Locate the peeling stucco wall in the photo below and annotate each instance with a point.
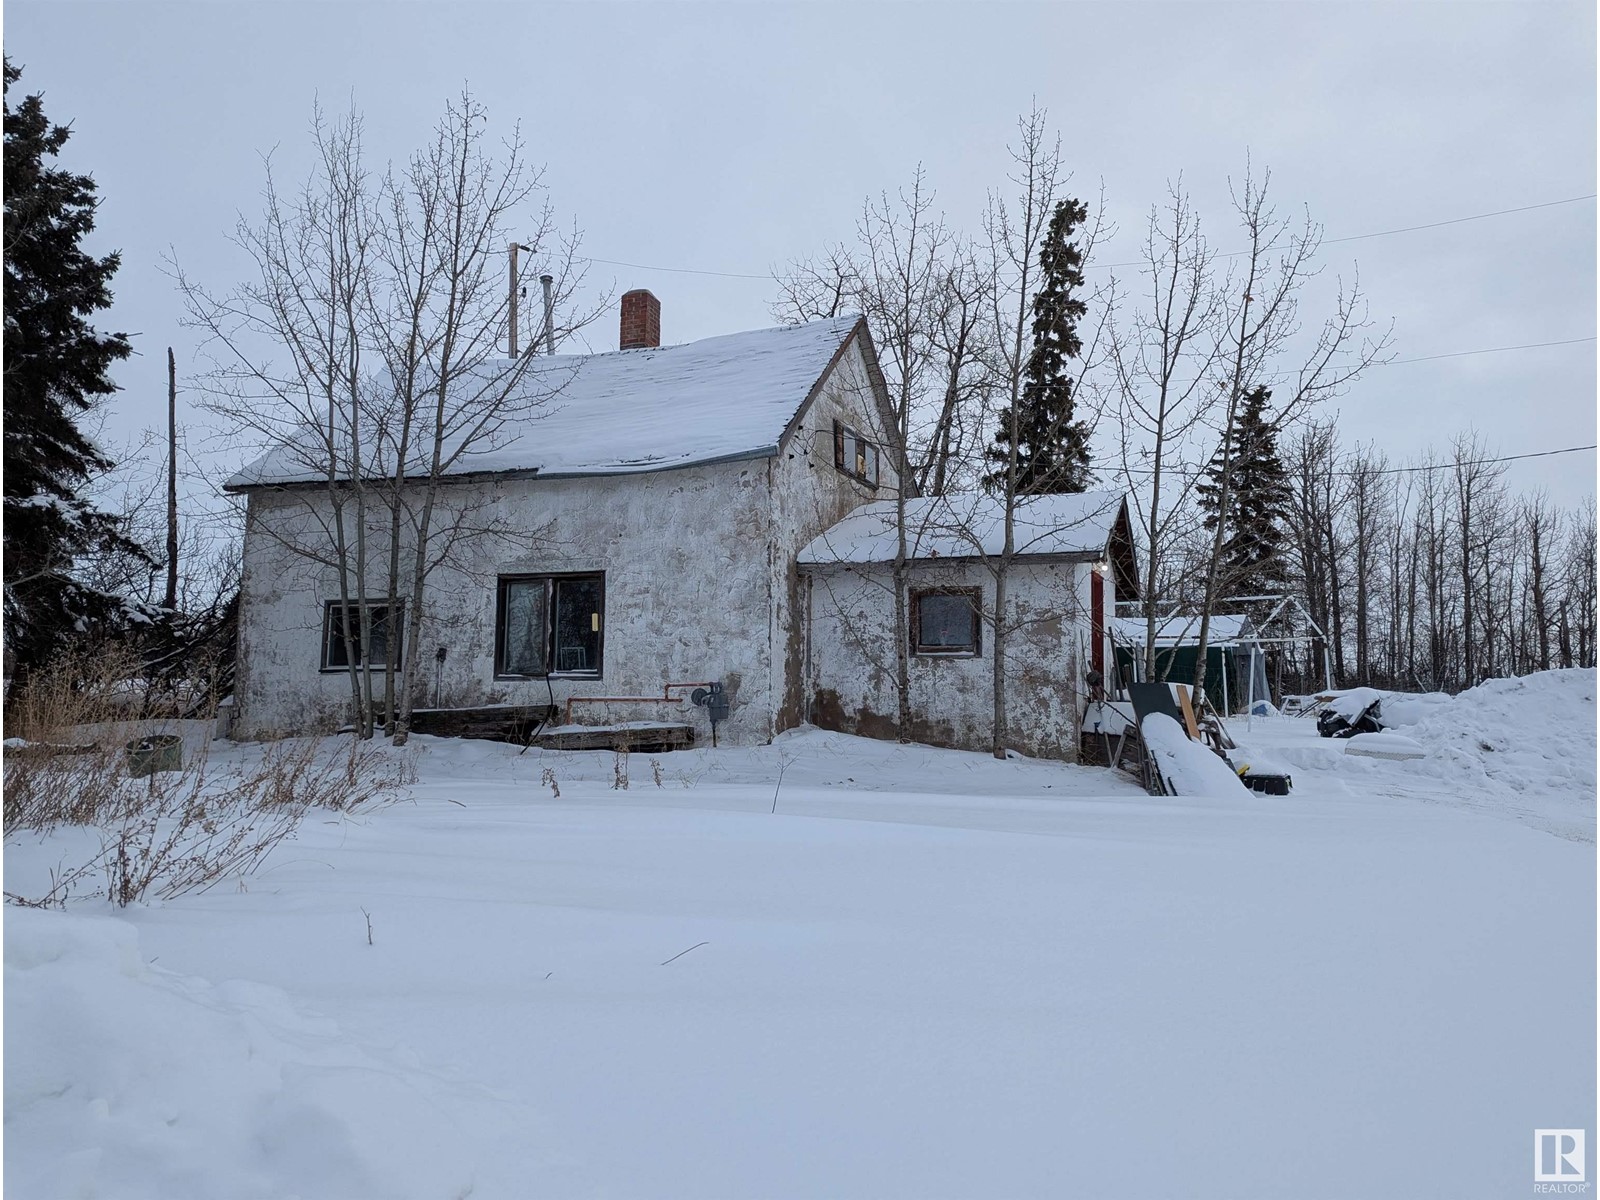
(852, 658)
(809, 495)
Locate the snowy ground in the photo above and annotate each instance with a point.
(929, 974)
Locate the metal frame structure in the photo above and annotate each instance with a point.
(1283, 604)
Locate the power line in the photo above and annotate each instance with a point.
(1458, 220)
(1477, 462)
(1280, 377)
(1357, 237)
(1486, 350)
(1193, 470)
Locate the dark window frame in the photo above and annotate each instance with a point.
(332, 632)
(974, 597)
(857, 455)
(550, 579)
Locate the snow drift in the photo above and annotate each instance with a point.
(123, 1079)
(1532, 734)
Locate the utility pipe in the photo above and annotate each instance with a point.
(664, 698)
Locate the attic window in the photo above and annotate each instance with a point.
(855, 454)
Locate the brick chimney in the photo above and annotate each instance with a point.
(641, 320)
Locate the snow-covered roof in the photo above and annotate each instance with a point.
(629, 411)
(1227, 629)
(971, 525)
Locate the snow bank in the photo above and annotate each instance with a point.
(1533, 734)
(1188, 766)
(127, 1080)
(1522, 749)
(1407, 708)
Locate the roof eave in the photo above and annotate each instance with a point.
(1053, 556)
(300, 485)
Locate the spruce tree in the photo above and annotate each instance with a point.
(1259, 494)
(56, 366)
(1052, 448)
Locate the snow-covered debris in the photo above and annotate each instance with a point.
(1522, 749)
(1407, 708)
(1188, 766)
(1351, 704)
(1385, 745)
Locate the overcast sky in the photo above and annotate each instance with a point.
(733, 137)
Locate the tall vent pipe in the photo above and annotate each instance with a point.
(511, 323)
(549, 314)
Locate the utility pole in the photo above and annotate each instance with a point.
(172, 481)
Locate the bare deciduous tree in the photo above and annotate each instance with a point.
(364, 358)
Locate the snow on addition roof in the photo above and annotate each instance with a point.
(970, 525)
(1227, 629)
(629, 411)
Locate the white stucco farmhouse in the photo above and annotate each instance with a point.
(664, 516)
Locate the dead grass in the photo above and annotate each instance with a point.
(173, 832)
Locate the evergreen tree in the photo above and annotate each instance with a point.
(1259, 494)
(56, 366)
(1052, 448)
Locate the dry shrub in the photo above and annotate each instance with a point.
(91, 685)
(54, 772)
(66, 737)
(185, 831)
(205, 826)
(189, 842)
(319, 773)
(179, 831)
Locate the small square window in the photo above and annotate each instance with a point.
(947, 622)
(338, 649)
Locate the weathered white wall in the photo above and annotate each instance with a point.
(686, 598)
(700, 584)
(851, 668)
(809, 495)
